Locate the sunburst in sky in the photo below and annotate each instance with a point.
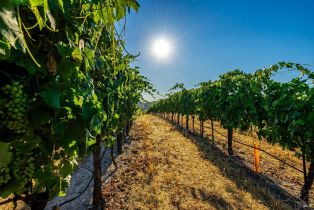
(162, 48)
(196, 41)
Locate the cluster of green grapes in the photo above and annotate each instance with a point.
(15, 107)
(4, 175)
(23, 171)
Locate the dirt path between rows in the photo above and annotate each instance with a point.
(162, 169)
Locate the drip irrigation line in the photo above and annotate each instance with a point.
(235, 140)
(81, 193)
(75, 197)
(239, 142)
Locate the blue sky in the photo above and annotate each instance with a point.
(211, 37)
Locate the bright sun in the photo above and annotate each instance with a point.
(162, 48)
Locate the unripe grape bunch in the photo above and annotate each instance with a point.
(4, 175)
(23, 169)
(14, 107)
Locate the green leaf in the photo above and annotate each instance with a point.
(95, 125)
(5, 155)
(36, 3)
(64, 113)
(88, 111)
(78, 100)
(77, 56)
(74, 130)
(51, 97)
(299, 122)
(11, 3)
(58, 127)
(34, 8)
(66, 67)
(90, 141)
(67, 168)
(89, 61)
(60, 5)
(39, 115)
(58, 188)
(63, 49)
(310, 119)
(120, 13)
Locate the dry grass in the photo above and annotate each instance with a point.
(20, 205)
(162, 169)
(288, 178)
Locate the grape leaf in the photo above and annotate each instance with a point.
(51, 97)
(5, 155)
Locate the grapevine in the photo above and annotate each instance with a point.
(68, 82)
(281, 112)
(15, 106)
(23, 171)
(4, 175)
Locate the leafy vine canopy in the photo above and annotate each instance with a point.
(71, 81)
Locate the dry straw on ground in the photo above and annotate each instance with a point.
(288, 178)
(162, 169)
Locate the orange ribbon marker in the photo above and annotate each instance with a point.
(256, 159)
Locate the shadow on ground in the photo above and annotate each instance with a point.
(260, 186)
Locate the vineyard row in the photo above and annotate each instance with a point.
(279, 112)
